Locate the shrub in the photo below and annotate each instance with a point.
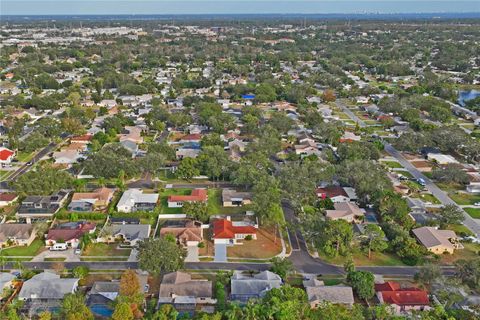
(248, 237)
(201, 245)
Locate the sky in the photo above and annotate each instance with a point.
(79, 7)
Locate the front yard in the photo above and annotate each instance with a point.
(264, 247)
(469, 252)
(33, 249)
(457, 193)
(473, 212)
(361, 259)
(104, 250)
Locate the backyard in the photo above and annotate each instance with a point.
(164, 200)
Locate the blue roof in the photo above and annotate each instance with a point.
(248, 96)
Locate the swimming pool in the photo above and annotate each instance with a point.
(101, 310)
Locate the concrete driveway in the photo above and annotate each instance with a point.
(192, 254)
(220, 252)
(69, 255)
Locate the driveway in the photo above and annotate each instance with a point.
(69, 255)
(220, 252)
(192, 254)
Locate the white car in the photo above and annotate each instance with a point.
(477, 204)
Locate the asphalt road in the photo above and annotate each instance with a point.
(469, 222)
(24, 168)
(349, 113)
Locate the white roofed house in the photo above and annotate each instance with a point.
(67, 157)
(318, 293)
(134, 200)
(129, 234)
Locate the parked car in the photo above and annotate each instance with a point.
(477, 204)
(59, 247)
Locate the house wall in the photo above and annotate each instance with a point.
(441, 249)
(175, 204)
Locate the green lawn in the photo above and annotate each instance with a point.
(392, 164)
(103, 249)
(426, 197)
(361, 259)
(463, 198)
(4, 174)
(32, 250)
(473, 212)
(460, 229)
(406, 174)
(23, 156)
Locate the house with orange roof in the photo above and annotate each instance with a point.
(227, 232)
(401, 299)
(83, 139)
(6, 155)
(197, 195)
(187, 233)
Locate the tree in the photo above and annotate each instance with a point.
(332, 237)
(45, 315)
(165, 312)
(160, 255)
(392, 207)
(214, 162)
(129, 283)
(281, 266)
(152, 163)
(188, 168)
(110, 161)
(451, 173)
(427, 274)
(196, 210)
(281, 122)
(468, 271)
(45, 180)
(451, 214)
(362, 283)
(122, 312)
(74, 307)
(374, 239)
(328, 96)
(80, 272)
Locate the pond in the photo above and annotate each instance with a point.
(465, 95)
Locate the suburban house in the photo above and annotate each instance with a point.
(318, 293)
(197, 195)
(42, 207)
(83, 139)
(70, 233)
(334, 193)
(228, 232)
(6, 281)
(91, 201)
(102, 293)
(437, 241)
(129, 234)
(349, 137)
(184, 293)
(134, 200)
(6, 155)
(133, 134)
(16, 234)
(191, 138)
(232, 198)
(67, 157)
(7, 199)
(245, 287)
(45, 291)
(402, 299)
(187, 232)
(442, 159)
(187, 153)
(473, 187)
(348, 211)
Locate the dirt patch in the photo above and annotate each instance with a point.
(264, 247)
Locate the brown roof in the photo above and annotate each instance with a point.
(183, 233)
(8, 197)
(331, 192)
(15, 230)
(101, 194)
(181, 284)
(431, 237)
(344, 209)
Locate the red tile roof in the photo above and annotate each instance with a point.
(70, 234)
(85, 138)
(196, 195)
(223, 229)
(392, 294)
(331, 192)
(192, 137)
(5, 154)
(8, 197)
